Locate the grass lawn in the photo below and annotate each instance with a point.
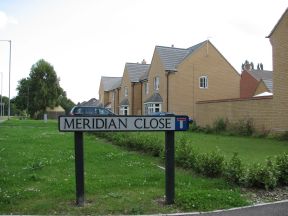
(250, 149)
(37, 177)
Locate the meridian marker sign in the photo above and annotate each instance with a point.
(80, 124)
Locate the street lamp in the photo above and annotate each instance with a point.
(9, 108)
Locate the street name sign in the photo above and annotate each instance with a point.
(122, 123)
(81, 124)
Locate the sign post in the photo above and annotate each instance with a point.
(79, 168)
(169, 167)
(80, 124)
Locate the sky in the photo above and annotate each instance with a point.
(87, 39)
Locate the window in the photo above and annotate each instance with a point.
(125, 91)
(124, 110)
(156, 83)
(151, 108)
(146, 88)
(203, 82)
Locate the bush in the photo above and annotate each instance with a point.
(183, 156)
(242, 127)
(282, 168)
(234, 170)
(194, 126)
(210, 164)
(262, 176)
(283, 136)
(220, 125)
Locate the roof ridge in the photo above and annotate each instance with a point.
(171, 47)
(136, 63)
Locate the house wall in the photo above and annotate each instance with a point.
(259, 109)
(248, 85)
(156, 69)
(279, 42)
(261, 88)
(126, 83)
(137, 99)
(101, 92)
(223, 80)
(106, 98)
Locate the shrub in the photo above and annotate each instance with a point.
(194, 126)
(220, 125)
(282, 168)
(208, 129)
(234, 170)
(210, 164)
(185, 154)
(283, 136)
(262, 176)
(242, 127)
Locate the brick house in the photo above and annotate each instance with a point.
(177, 78)
(279, 41)
(254, 82)
(109, 92)
(130, 99)
(269, 113)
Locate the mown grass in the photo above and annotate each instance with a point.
(249, 149)
(37, 177)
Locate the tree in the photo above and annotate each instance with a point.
(40, 90)
(66, 103)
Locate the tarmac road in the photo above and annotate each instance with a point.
(270, 209)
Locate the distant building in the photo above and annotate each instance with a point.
(254, 82)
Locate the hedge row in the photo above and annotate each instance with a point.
(213, 164)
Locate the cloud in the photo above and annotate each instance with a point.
(5, 20)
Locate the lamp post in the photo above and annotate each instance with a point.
(9, 108)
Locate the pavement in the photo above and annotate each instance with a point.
(279, 208)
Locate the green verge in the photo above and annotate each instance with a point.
(37, 177)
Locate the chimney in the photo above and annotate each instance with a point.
(247, 66)
(143, 61)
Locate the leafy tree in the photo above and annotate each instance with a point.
(40, 90)
(66, 103)
(22, 99)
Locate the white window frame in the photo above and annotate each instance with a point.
(125, 91)
(152, 107)
(124, 108)
(156, 83)
(203, 82)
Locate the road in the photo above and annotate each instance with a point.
(270, 209)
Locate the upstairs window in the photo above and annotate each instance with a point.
(156, 83)
(203, 82)
(126, 91)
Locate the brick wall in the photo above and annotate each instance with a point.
(279, 41)
(259, 109)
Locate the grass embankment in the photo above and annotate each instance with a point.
(37, 177)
